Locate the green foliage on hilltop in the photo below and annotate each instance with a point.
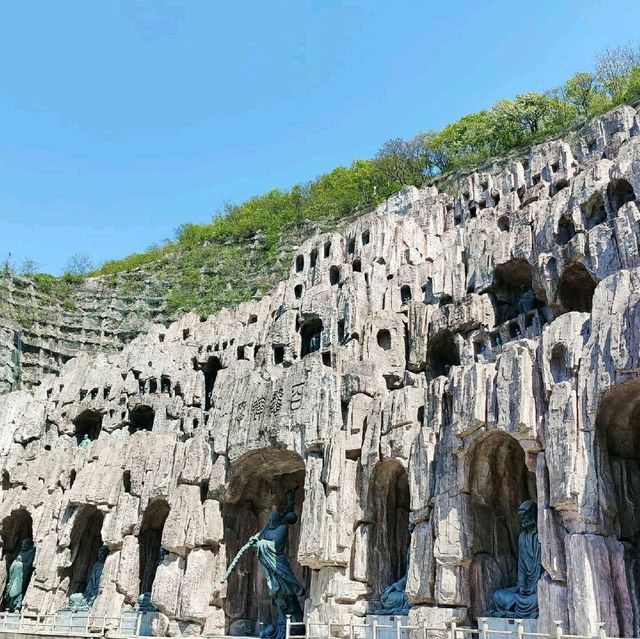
(246, 248)
(527, 119)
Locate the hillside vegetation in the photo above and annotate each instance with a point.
(247, 247)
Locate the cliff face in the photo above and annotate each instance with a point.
(40, 332)
(44, 324)
(440, 362)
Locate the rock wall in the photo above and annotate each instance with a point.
(40, 332)
(441, 361)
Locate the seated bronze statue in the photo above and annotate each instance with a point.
(521, 601)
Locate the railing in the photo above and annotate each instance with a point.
(66, 623)
(73, 624)
(377, 630)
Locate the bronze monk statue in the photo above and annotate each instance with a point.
(19, 575)
(84, 600)
(521, 601)
(394, 599)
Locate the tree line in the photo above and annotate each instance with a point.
(512, 124)
(508, 125)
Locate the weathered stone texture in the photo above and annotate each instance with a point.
(442, 361)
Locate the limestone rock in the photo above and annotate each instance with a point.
(438, 361)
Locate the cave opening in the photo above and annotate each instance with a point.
(389, 537)
(576, 288)
(619, 192)
(261, 479)
(618, 462)
(311, 335)
(498, 482)
(89, 423)
(15, 529)
(150, 542)
(211, 370)
(85, 541)
(442, 354)
(141, 418)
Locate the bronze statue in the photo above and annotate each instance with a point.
(394, 599)
(84, 600)
(19, 575)
(144, 600)
(284, 587)
(521, 601)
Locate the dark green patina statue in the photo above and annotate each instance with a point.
(144, 600)
(394, 599)
(84, 600)
(19, 575)
(521, 601)
(270, 544)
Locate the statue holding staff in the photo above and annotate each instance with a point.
(270, 545)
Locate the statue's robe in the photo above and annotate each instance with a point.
(284, 586)
(18, 579)
(521, 602)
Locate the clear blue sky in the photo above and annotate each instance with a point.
(120, 120)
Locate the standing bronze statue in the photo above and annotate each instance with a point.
(19, 575)
(521, 601)
(270, 545)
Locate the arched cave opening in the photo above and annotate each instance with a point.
(261, 479)
(89, 423)
(311, 335)
(593, 211)
(566, 230)
(85, 541)
(559, 363)
(618, 465)
(141, 418)
(211, 370)
(442, 354)
(512, 289)
(383, 338)
(149, 542)
(499, 482)
(389, 536)
(576, 288)
(619, 192)
(15, 529)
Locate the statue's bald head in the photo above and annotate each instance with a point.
(528, 514)
(27, 543)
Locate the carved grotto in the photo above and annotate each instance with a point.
(443, 361)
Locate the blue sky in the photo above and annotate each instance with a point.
(120, 120)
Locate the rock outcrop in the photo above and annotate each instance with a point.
(442, 361)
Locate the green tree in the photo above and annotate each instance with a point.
(530, 117)
(468, 141)
(406, 162)
(581, 91)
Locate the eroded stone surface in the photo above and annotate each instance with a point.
(444, 360)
